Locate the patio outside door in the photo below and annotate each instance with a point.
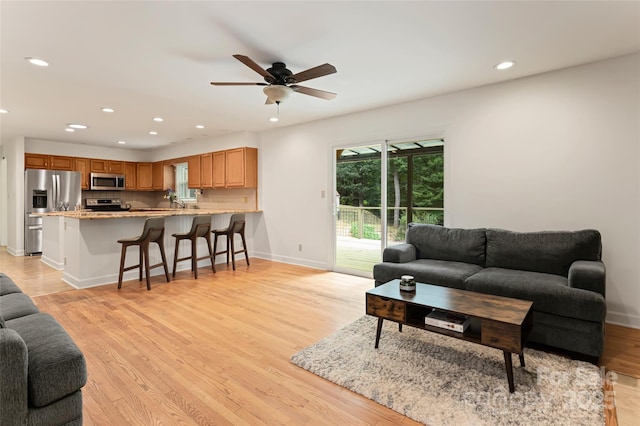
(359, 221)
(406, 177)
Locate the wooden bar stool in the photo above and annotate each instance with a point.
(200, 227)
(153, 232)
(236, 226)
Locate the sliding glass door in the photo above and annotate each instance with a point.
(358, 212)
(406, 177)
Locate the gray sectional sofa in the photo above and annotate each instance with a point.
(560, 272)
(42, 370)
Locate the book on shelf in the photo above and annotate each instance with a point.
(448, 320)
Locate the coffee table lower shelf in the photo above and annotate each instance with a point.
(499, 322)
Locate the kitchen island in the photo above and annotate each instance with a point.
(84, 244)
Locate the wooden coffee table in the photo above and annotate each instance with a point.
(499, 322)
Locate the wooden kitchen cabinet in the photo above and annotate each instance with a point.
(163, 176)
(130, 176)
(219, 169)
(50, 162)
(82, 165)
(144, 180)
(57, 162)
(241, 168)
(107, 166)
(206, 170)
(193, 168)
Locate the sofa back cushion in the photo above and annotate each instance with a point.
(440, 243)
(550, 252)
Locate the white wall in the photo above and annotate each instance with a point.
(554, 151)
(218, 143)
(14, 153)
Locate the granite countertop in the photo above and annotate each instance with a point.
(144, 212)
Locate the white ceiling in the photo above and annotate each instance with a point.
(148, 59)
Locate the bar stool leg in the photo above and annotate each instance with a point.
(175, 257)
(141, 259)
(211, 255)
(244, 247)
(228, 242)
(144, 248)
(233, 250)
(164, 260)
(123, 254)
(215, 251)
(194, 257)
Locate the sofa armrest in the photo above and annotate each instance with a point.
(400, 253)
(588, 275)
(13, 378)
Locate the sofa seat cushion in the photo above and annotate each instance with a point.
(7, 285)
(56, 366)
(549, 293)
(16, 305)
(429, 271)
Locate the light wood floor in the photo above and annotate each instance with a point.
(216, 350)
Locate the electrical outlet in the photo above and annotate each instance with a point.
(65, 261)
(322, 194)
(299, 247)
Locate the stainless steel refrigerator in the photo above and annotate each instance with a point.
(47, 191)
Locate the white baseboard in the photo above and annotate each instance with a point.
(52, 263)
(292, 260)
(623, 319)
(14, 252)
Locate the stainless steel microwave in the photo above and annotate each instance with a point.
(107, 182)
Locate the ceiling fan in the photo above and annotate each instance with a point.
(281, 82)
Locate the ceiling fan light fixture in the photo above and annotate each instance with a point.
(277, 93)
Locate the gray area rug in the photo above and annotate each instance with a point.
(439, 380)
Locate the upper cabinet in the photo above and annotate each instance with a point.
(242, 168)
(232, 168)
(82, 165)
(206, 170)
(130, 176)
(50, 162)
(163, 176)
(193, 164)
(144, 180)
(219, 169)
(235, 168)
(107, 166)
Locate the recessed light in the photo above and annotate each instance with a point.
(38, 62)
(158, 119)
(4, 111)
(107, 109)
(121, 142)
(504, 65)
(77, 126)
(69, 129)
(273, 119)
(153, 133)
(199, 126)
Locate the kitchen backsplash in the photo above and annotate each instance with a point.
(240, 198)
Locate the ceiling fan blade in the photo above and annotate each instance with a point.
(315, 72)
(257, 68)
(219, 83)
(314, 92)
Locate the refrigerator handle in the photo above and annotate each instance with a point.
(55, 192)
